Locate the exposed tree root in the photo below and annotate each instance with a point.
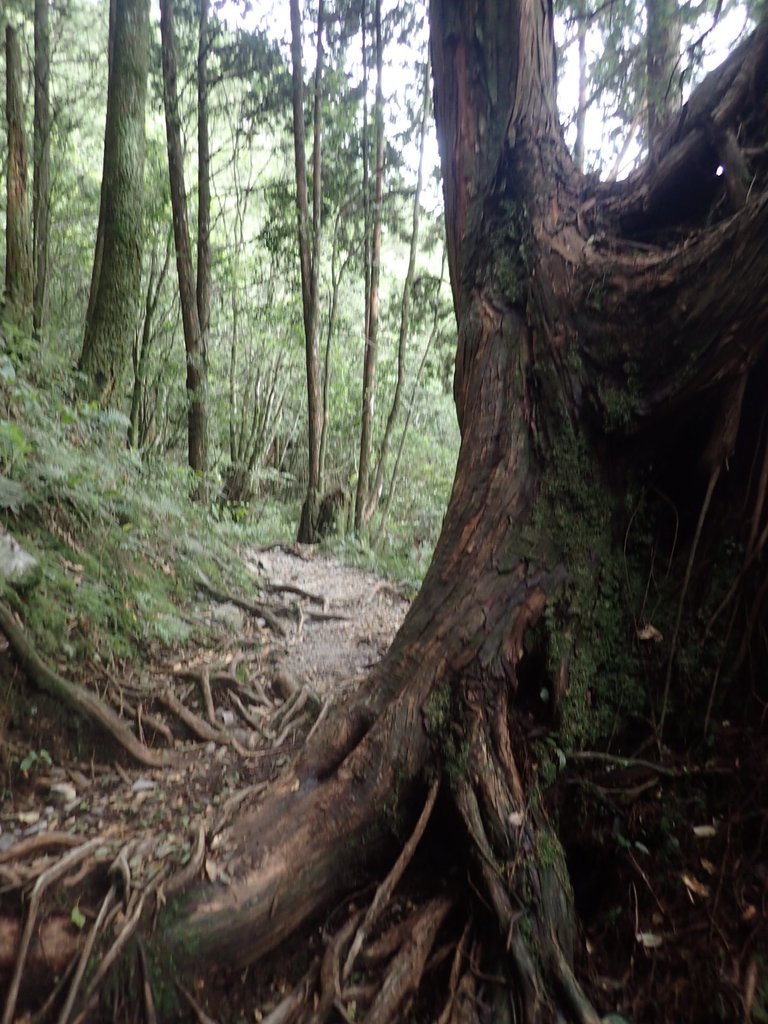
(405, 972)
(190, 871)
(36, 844)
(73, 696)
(261, 611)
(85, 953)
(47, 879)
(288, 588)
(200, 1015)
(387, 887)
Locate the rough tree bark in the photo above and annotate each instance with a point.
(18, 247)
(114, 319)
(98, 249)
(590, 319)
(197, 370)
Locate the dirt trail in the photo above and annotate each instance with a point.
(335, 638)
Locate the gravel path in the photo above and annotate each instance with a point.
(330, 653)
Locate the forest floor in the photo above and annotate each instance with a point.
(227, 718)
(668, 861)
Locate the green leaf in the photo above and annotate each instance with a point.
(78, 918)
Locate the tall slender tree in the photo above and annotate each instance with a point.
(190, 290)
(405, 314)
(98, 248)
(370, 348)
(41, 187)
(662, 62)
(114, 320)
(203, 286)
(309, 233)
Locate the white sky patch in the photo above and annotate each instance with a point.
(607, 146)
(401, 76)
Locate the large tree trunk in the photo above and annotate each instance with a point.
(110, 329)
(18, 248)
(98, 249)
(584, 334)
(197, 370)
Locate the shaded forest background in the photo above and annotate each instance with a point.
(256, 390)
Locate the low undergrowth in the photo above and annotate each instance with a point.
(122, 548)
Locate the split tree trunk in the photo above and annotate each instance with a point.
(569, 344)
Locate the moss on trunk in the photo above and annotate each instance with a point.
(110, 330)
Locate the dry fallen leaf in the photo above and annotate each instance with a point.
(650, 632)
(694, 885)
